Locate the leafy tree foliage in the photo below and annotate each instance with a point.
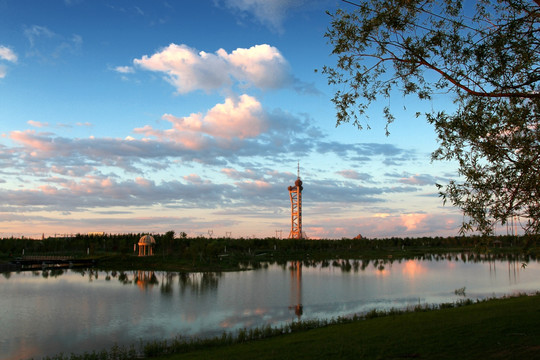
(485, 56)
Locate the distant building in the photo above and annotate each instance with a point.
(146, 245)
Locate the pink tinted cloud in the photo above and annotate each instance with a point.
(239, 118)
(412, 221)
(384, 225)
(48, 190)
(188, 69)
(354, 175)
(235, 174)
(33, 140)
(193, 179)
(255, 185)
(418, 179)
(37, 124)
(349, 174)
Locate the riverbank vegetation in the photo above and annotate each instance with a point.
(496, 329)
(177, 252)
(503, 328)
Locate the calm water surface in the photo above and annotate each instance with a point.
(48, 312)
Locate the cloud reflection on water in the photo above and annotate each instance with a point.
(82, 310)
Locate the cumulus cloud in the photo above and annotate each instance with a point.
(237, 143)
(239, 118)
(412, 221)
(229, 133)
(188, 70)
(7, 54)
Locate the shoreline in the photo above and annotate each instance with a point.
(491, 328)
(242, 262)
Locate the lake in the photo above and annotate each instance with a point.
(46, 312)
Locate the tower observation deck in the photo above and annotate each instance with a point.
(295, 193)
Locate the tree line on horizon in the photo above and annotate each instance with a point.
(209, 248)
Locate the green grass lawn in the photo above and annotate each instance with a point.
(496, 329)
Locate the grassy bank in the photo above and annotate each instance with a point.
(496, 329)
(493, 329)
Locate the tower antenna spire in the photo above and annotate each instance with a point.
(299, 169)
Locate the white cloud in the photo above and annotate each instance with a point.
(124, 69)
(7, 54)
(261, 65)
(188, 70)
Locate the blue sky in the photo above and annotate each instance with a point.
(149, 116)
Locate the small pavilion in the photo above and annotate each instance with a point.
(146, 245)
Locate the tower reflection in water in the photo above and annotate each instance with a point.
(296, 289)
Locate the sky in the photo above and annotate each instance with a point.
(129, 116)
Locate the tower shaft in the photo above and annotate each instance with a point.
(296, 213)
(295, 194)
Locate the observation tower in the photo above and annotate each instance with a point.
(295, 193)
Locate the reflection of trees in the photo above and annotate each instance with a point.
(92, 273)
(56, 272)
(166, 287)
(124, 278)
(45, 273)
(365, 264)
(145, 279)
(198, 283)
